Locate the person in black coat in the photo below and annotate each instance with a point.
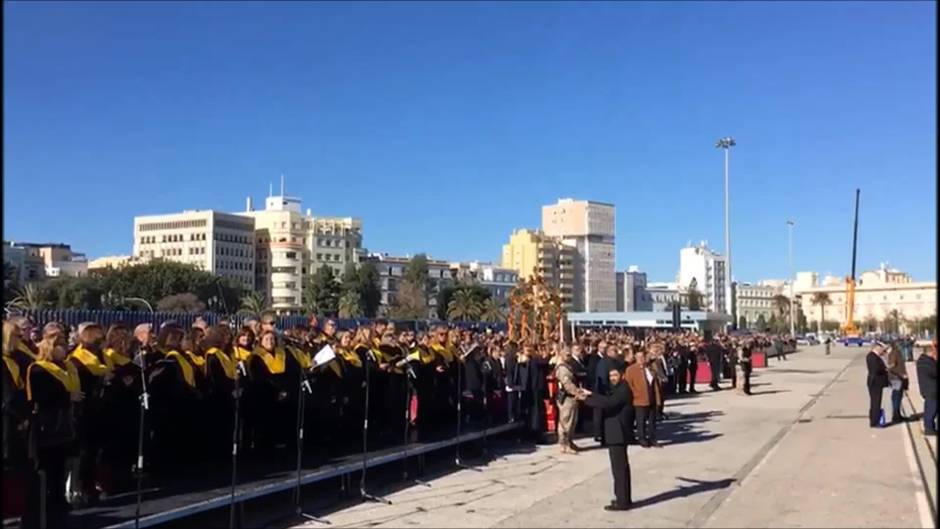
(609, 361)
(617, 411)
(52, 388)
(877, 381)
(927, 380)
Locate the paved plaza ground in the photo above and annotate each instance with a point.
(797, 453)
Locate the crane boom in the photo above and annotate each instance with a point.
(849, 329)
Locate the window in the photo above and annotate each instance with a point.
(291, 255)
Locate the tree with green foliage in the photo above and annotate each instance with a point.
(446, 294)
(158, 279)
(761, 323)
(321, 292)
(350, 304)
(694, 296)
(464, 306)
(253, 303)
(186, 302)
(411, 301)
(29, 297)
(821, 299)
(370, 293)
(492, 311)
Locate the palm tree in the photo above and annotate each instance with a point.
(350, 304)
(253, 303)
(28, 298)
(492, 311)
(871, 324)
(463, 306)
(782, 307)
(893, 321)
(822, 299)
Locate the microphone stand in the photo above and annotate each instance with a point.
(365, 439)
(144, 406)
(301, 400)
(240, 370)
(457, 459)
(410, 378)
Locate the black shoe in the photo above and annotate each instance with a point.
(655, 444)
(615, 507)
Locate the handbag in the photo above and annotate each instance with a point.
(905, 384)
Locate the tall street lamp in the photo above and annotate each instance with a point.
(727, 143)
(790, 225)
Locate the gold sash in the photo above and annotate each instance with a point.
(185, 367)
(303, 359)
(350, 357)
(68, 377)
(14, 371)
(242, 354)
(114, 359)
(196, 360)
(90, 361)
(275, 362)
(228, 365)
(23, 348)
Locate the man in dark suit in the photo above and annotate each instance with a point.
(877, 382)
(617, 411)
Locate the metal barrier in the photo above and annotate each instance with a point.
(106, 318)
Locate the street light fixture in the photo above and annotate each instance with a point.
(141, 300)
(727, 143)
(790, 225)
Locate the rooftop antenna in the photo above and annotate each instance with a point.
(282, 184)
(270, 189)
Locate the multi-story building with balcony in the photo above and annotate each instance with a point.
(706, 269)
(588, 227)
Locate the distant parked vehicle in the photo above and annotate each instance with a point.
(859, 341)
(809, 339)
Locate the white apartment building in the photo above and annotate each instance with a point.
(497, 280)
(707, 269)
(290, 246)
(877, 293)
(661, 295)
(589, 228)
(219, 243)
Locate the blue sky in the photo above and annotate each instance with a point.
(446, 125)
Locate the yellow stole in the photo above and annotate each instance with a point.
(275, 362)
(68, 376)
(350, 357)
(114, 359)
(23, 348)
(14, 371)
(443, 352)
(185, 367)
(228, 365)
(90, 361)
(242, 354)
(196, 360)
(303, 359)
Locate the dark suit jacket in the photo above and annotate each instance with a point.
(618, 413)
(877, 371)
(927, 376)
(591, 381)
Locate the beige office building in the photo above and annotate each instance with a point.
(112, 261)
(219, 243)
(532, 253)
(877, 293)
(587, 227)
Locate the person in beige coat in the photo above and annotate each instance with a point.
(567, 402)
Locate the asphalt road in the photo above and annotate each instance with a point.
(796, 453)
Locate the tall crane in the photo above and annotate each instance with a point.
(849, 329)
